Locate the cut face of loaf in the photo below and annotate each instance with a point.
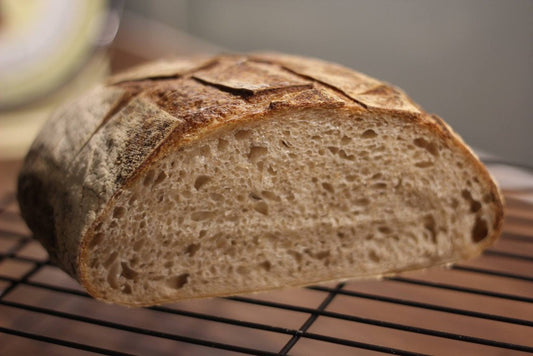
(241, 174)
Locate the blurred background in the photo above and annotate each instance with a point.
(471, 62)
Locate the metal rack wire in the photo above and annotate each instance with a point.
(484, 306)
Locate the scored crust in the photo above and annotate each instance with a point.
(72, 173)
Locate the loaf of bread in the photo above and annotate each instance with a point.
(216, 176)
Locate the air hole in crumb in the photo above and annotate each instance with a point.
(363, 154)
(191, 249)
(362, 202)
(424, 164)
(343, 155)
(178, 282)
(148, 178)
(200, 181)
(161, 177)
(351, 178)
(480, 230)
(113, 274)
(261, 207)
(255, 196)
(333, 149)
(202, 233)
(373, 256)
(489, 197)
(369, 134)
(165, 242)
(431, 147)
(328, 187)
(118, 212)
(257, 152)
(270, 195)
(384, 229)
(134, 260)
(126, 289)
(322, 255)
(202, 215)
(222, 144)
(296, 255)
(376, 176)
(128, 272)
(380, 185)
(93, 264)
(242, 134)
(271, 171)
(266, 265)
(96, 240)
(285, 143)
(98, 227)
(132, 199)
(110, 259)
(346, 140)
(430, 225)
(475, 206)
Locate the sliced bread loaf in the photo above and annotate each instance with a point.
(216, 176)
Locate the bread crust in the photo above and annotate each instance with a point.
(71, 177)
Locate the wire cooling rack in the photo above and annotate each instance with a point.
(483, 306)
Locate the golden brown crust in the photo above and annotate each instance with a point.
(366, 91)
(158, 107)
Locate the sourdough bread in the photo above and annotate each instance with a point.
(215, 176)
